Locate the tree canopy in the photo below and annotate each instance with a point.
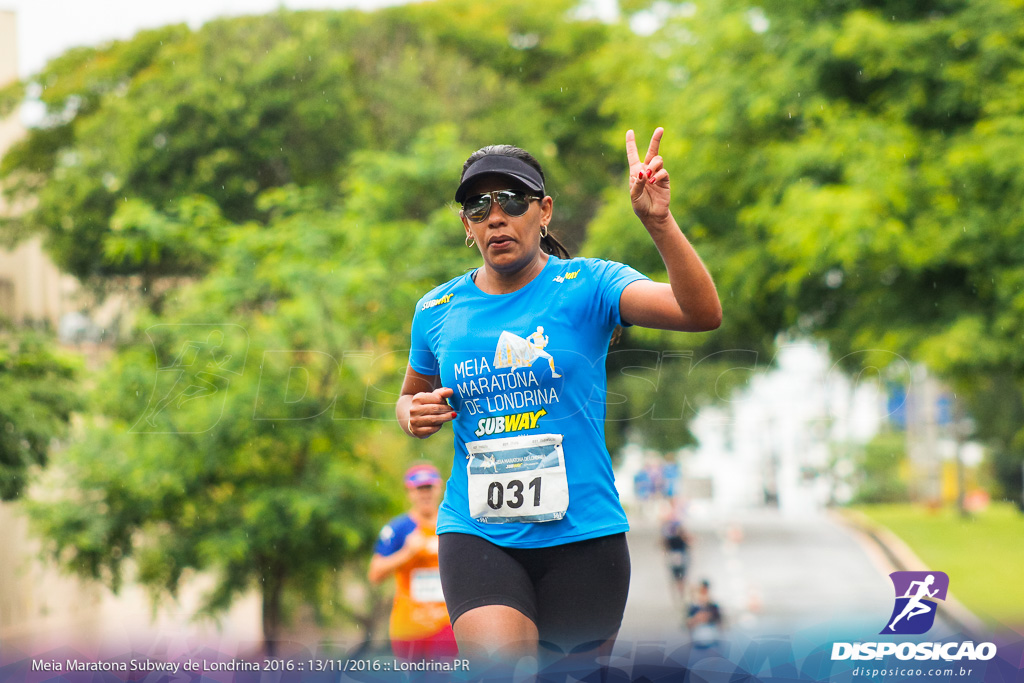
(37, 398)
(140, 135)
(851, 174)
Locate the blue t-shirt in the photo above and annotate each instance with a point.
(563, 318)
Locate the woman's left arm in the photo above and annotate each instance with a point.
(689, 303)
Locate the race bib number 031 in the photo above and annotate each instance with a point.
(517, 479)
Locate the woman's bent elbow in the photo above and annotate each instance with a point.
(703, 323)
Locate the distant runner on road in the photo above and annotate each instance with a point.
(676, 543)
(407, 548)
(704, 618)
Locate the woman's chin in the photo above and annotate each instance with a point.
(506, 260)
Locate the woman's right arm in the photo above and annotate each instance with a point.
(423, 406)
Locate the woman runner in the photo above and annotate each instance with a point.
(532, 534)
(407, 548)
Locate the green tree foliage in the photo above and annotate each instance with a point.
(37, 398)
(850, 171)
(246, 426)
(136, 130)
(881, 470)
(248, 431)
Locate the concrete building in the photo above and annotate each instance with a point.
(31, 287)
(786, 439)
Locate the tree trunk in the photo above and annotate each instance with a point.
(273, 585)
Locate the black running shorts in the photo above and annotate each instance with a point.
(575, 593)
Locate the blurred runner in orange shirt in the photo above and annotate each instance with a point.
(407, 547)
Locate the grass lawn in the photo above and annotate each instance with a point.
(983, 556)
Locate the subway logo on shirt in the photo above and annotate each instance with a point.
(503, 424)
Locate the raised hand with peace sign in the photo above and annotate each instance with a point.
(648, 180)
(688, 301)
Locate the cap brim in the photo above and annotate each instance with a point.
(498, 165)
(417, 484)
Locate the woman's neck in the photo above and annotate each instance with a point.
(491, 281)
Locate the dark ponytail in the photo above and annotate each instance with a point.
(551, 245)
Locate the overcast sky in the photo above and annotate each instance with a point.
(47, 28)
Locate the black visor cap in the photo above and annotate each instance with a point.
(499, 164)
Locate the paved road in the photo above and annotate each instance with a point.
(771, 574)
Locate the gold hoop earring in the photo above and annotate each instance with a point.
(543, 231)
(470, 240)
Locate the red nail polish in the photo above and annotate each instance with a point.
(454, 415)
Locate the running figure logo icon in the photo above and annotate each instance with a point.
(515, 352)
(916, 592)
(538, 340)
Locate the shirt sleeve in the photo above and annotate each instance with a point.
(611, 278)
(421, 357)
(391, 538)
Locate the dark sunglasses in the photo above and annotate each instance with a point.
(512, 202)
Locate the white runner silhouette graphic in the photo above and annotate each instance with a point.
(915, 606)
